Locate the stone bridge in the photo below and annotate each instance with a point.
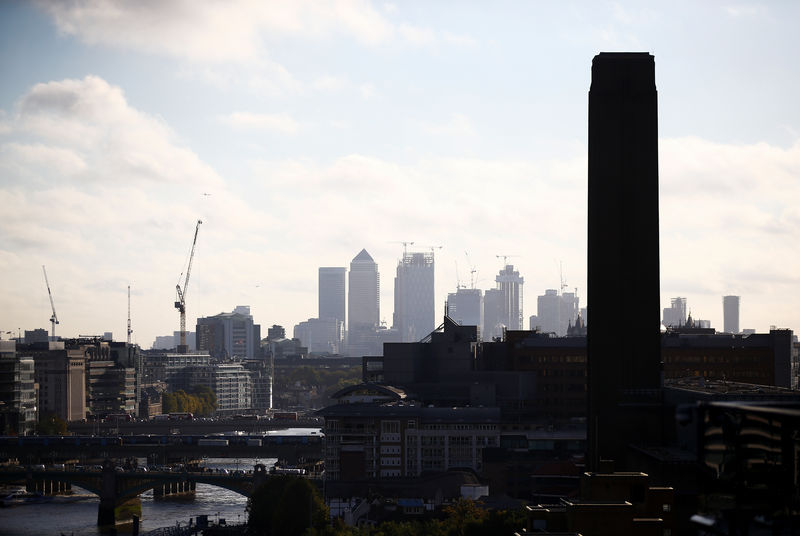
(119, 491)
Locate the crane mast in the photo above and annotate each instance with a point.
(53, 318)
(180, 303)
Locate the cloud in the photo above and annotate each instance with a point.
(458, 125)
(103, 193)
(234, 31)
(728, 224)
(740, 10)
(279, 122)
(86, 129)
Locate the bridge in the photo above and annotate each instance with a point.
(120, 492)
(196, 426)
(159, 449)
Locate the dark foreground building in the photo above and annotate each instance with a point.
(623, 269)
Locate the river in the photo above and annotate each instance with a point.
(79, 518)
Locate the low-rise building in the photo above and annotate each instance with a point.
(398, 439)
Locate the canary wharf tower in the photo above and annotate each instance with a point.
(623, 258)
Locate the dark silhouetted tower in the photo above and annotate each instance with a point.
(624, 353)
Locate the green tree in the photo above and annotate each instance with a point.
(168, 404)
(207, 400)
(51, 424)
(280, 507)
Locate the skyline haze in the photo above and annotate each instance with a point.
(122, 125)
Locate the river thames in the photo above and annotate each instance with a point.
(79, 518)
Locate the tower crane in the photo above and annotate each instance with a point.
(405, 245)
(472, 271)
(505, 259)
(180, 303)
(53, 318)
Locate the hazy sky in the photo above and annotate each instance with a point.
(320, 128)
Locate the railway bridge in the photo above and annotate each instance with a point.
(120, 492)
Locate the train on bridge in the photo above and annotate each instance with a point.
(249, 440)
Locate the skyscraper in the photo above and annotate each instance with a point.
(332, 293)
(730, 312)
(510, 283)
(363, 307)
(556, 312)
(675, 315)
(414, 315)
(465, 306)
(494, 321)
(623, 257)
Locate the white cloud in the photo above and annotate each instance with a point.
(458, 125)
(279, 122)
(742, 10)
(728, 224)
(88, 126)
(234, 31)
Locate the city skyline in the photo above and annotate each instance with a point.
(121, 126)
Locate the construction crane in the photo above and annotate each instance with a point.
(472, 271)
(405, 245)
(505, 259)
(129, 315)
(54, 317)
(180, 303)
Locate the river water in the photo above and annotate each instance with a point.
(79, 518)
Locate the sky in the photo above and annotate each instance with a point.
(301, 132)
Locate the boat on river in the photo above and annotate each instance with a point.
(20, 497)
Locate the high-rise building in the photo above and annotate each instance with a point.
(510, 283)
(465, 306)
(414, 315)
(363, 305)
(556, 312)
(675, 315)
(623, 256)
(320, 335)
(494, 321)
(229, 334)
(730, 311)
(332, 295)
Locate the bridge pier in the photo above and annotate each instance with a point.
(171, 489)
(114, 509)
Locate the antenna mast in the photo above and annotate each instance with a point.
(53, 318)
(129, 315)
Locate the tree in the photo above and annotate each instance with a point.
(280, 507)
(51, 424)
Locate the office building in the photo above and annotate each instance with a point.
(61, 375)
(465, 307)
(494, 321)
(623, 255)
(414, 315)
(36, 335)
(18, 411)
(331, 293)
(556, 312)
(393, 440)
(320, 335)
(730, 311)
(675, 315)
(510, 283)
(229, 334)
(231, 383)
(363, 305)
